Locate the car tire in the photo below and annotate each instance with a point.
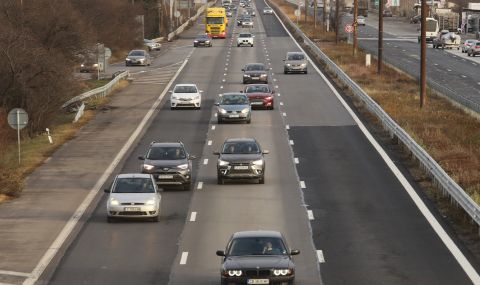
(249, 120)
(285, 71)
(219, 121)
(252, 46)
(262, 179)
(306, 71)
(110, 219)
(172, 108)
(238, 45)
(271, 107)
(220, 180)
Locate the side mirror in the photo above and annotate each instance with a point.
(220, 253)
(294, 252)
(217, 104)
(241, 91)
(266, 151)
(216, 153)
(273, 91)
(191, 157)
(201, 91)
(106, 190)
(141, 157)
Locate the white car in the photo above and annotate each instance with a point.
(151, 45)
(267, 10)
(185, 95)
(247, 22)
(361, 20)
(245, 39)
(133, 195)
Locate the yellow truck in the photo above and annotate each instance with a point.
(216, 22)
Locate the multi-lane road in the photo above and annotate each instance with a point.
(329, 187)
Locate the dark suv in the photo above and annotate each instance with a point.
(241, 158)
(169, 163)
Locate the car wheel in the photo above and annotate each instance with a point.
(252, 46)
(262, 179)
(306, 71)
(219, 121)
(220, 180)
(271, 107)
(249, 120)
(285, 71)
(172, 108)
(110, 219)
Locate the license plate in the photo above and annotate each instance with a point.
(258, 281)
(241, 167)
(234, 116)
(165, 176)
(257, 103)
(132, 209)
(255, 78)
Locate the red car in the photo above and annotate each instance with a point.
(260, 96)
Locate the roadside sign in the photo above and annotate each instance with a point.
(17, 118)
(298, 13)
(176, 14)
(108, 53)
(348, 28)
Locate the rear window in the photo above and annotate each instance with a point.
(134, 185)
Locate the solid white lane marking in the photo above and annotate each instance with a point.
(15, 273)
(284, 114)
(183, 259)
(221, 87)
(205, 161)
(193, 216)
(296, 160)
(449, 243)
(77, 215)
(199, 185)
(291, 141)
(474, 63)
(209, 143)
(310, 215)
(288, 128)
(320, 257)
(302, 185)
(213, 127)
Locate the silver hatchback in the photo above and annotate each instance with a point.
(295, 62)
(234, 107)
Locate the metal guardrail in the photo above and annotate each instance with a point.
(429, 165)
(97, 92)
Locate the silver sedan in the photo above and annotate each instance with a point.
(138, 57)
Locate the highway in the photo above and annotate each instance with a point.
(327, 189)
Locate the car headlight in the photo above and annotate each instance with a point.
(207, 42)
(183, 166)
(303, 64)
(222, 111)
(246, 75)
(151, 202)
(263, 75)
(127, 59)
(283, 272)
(246, 110)
(148, 167)
(223, 162)
(258, 162)
(174, 98)
(288, 64)
(114, 202)
(196, 97)
(234, 272)
(195, 41)
(82, 65)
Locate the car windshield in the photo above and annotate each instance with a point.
(295, 56)
(185, 89)
(257, 89)
(215, 20)
(257, 246)
(166, 153)
(234, 100)
(202, 37)
(253, 67)
(246, 147)
(137, 53)
(134, 185)
(245, 35)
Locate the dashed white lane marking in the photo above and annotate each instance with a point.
(320, 257)
(46, 161)
(296, 160)
(193, 216)
(213, 127)
(274, 80)
(449, 70)
(273, 73)
(464, 76)
(309, 214)
(183, 259)
(291, 141)
(223, 80)
(199, 185)
(284, 114)
(224, 74)
(209, 143)
(474, 63)
(221, 87)
(288, 128)
(205, 161)
(226, 69)
(215, 115)
(435, 64)
(302, 185)
(14, 273)
(276, 87)
(403, 50)
(281, 103)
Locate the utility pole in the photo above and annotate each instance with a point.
(315, 14)
(324, 12)
(423, 56)
(337, 20)
(380, 37)
(306, 11)
(355, 26)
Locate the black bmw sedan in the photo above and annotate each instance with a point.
(257, 257)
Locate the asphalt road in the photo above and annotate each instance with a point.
(327, 189)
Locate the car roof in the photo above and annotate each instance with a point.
(245, 234)
(137, 50)
(233, 93)
(240, 140)
(133, 175)
(257, 84)
(186, 84)
(294, 52)
(165, 144)
(255, 63)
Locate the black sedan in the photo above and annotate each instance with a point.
(241, 158)
(257, 257)
(202, 40)
(255, 73)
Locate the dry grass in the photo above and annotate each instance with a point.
(450, 135)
